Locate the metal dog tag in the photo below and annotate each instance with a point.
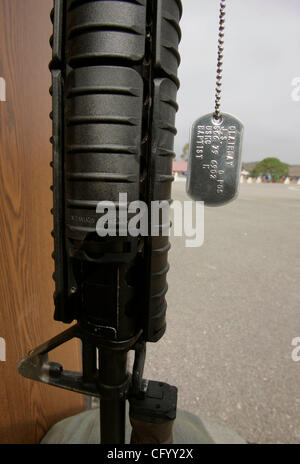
(215, 159)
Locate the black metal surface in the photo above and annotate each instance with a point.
(112, 372)
(137, 384)
(162, 155)
(114, 85)
(158, 405)
(103, 135)
(99, 30)
(168, 35)
(114, 106)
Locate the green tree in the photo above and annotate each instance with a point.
(271, 166)
(185, 152)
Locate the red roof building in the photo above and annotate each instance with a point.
(179, 166)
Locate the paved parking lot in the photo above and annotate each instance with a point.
(233, 310)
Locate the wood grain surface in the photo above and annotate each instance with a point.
(27, 408)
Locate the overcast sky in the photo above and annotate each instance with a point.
(261, 58)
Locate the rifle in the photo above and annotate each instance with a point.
(114, 85)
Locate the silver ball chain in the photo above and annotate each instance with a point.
(217, 114)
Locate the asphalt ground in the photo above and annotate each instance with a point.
(233, 310)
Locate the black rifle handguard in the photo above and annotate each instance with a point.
(114, 86)
(114, 105)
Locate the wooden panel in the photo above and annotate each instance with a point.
(27, 408)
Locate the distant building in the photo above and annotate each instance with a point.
(180, 167)
(244, 176)
(249, 166)
(294, 170)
